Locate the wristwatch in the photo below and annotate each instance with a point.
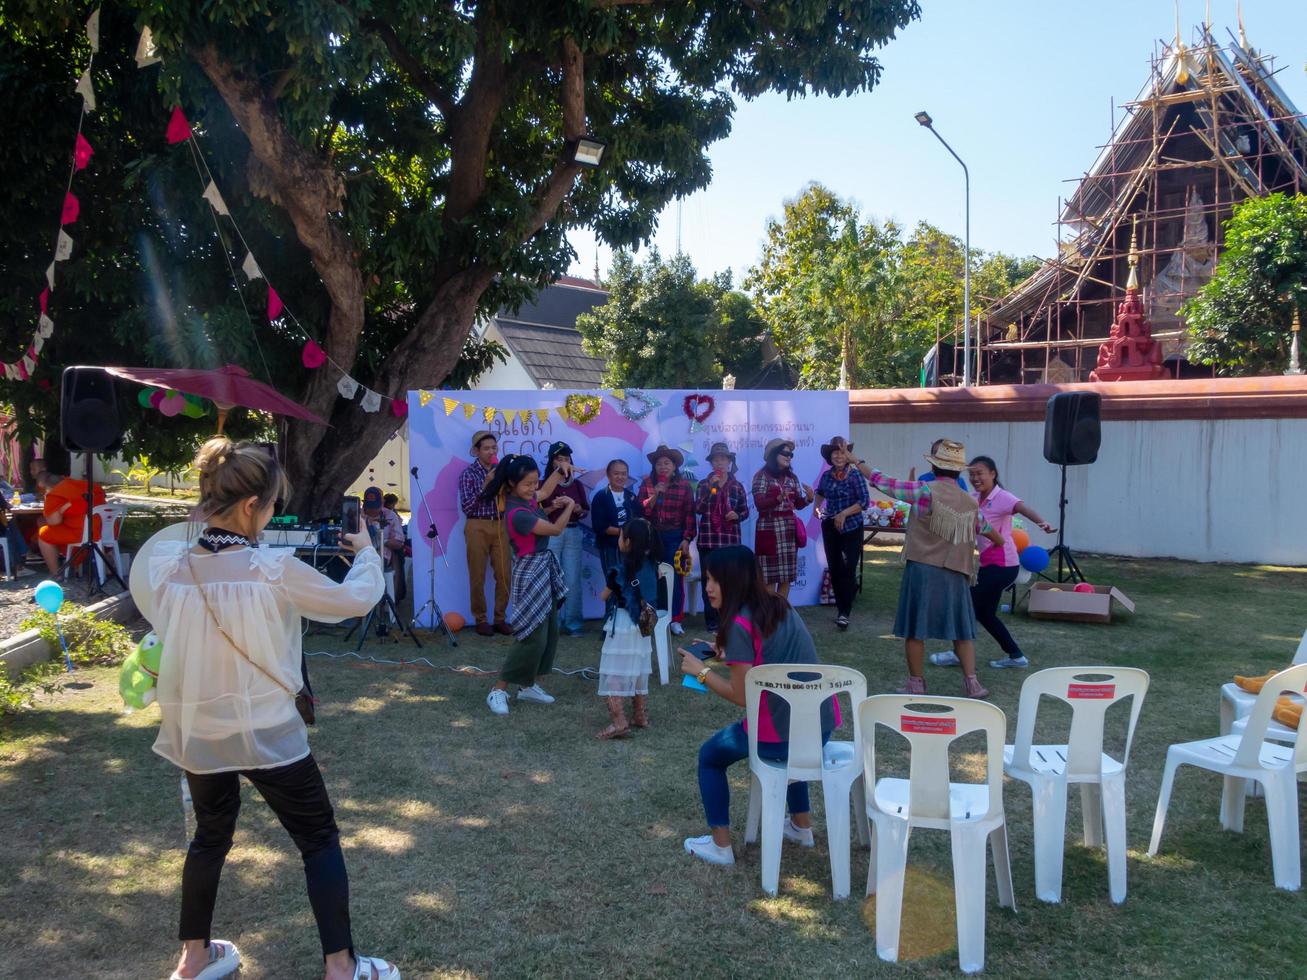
(702, 676)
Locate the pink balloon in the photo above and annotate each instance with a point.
(157, 396)
(174, 404)
(1084, 587)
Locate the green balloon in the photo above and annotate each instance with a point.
(144, 397)
(194, 410)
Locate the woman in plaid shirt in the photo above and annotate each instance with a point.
(667, 502)
(842, 496)
(778, 495)
(721, 503)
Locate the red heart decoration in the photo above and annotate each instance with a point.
(697, 408)
(313, 356)
(399, 408)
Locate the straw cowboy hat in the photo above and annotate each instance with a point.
(478, 437)
(948, 455)
(721, 449)
(774, 446)
(674, 455)
(839, 442)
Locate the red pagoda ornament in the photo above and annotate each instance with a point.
(1130, 353)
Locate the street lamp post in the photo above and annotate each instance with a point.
(923, 117)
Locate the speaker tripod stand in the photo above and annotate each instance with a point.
(378, 615)
(89, 550)
(1067, 569)
(431, 606)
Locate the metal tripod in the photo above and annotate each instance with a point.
(89, 549)
(433, 537)
(1067, 569)
(384, 604)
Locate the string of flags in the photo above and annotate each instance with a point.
(578, 407)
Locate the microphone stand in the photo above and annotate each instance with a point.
(433, 538)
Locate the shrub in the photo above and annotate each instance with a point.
(46, 678)
(91, 641)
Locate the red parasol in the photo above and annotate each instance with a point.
(226, 387)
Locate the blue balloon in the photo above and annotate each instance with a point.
(50, 596)
(1034, 559)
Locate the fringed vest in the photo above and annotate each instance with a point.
(946, 537)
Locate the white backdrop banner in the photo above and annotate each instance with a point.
(440, 434)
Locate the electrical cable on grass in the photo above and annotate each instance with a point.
(467, 670)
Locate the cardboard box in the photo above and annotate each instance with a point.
(1049, 600)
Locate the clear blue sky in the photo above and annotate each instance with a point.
(1022, 89)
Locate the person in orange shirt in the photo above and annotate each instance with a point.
(65, 516)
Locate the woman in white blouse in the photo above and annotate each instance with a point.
(229, 618)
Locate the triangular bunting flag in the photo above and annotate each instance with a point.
(450, 405)
(63, 246)
(251, 268)
(469, 410)
(82, 152)
(371, 400)
(561, 412)
(274, 304)
(93, 30)
(37, 343)
(542, 415)
(145, 55)
(45, 326)
(398, 407)
(214, 198)
(26, 366)
(44, 300)
(489, 414)
(510, 415)
(10, 373)
(86, 90)
(179, 130)
(347, 387)
(424, 398)
(49, 275)
(72, 208)
(313, 356)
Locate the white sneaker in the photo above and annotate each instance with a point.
(705, 850)
(677, 629)
(224, 959)
(1010, 662)
(946, 659)
(536, 694)
(497, 700)
(798, 835)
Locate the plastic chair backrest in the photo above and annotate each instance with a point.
(929, 736)
(111, 516)
(668, 575)
(1090, 691)
(1300, 657)
(1290, 681)
(803, 687)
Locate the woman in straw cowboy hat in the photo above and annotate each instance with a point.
(722, 504)
(842, 496)
(939, 550)
(667, 502)
(778, 495)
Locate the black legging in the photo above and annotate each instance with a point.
(990, 583)
(298, 796)
(843, 552)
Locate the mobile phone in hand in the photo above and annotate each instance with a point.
(350, 509)
(701, 649)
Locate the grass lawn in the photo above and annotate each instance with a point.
(520, 846)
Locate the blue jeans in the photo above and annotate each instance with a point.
(567, 547)
(726, 748)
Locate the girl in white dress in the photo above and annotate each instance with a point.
(625, 663)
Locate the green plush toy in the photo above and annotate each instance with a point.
(139, 672)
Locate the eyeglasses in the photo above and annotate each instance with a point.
(785, 454)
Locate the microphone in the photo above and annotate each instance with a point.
(414, 472)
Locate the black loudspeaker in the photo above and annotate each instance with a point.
(88, 411)
(1072, 432)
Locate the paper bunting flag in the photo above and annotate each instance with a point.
(510, 415)
(450, 405)
(145, 56)
(469, 410)
(10, 373)
(274, 304)
(44, 300)
(398, 408)
(28, 365)
(179, 130)
(542, 415)
(214, 198)
(561, 412)
(45, 327)
(371, 401)
(63, 247)
(72, 208)
(251, 268)
(313, 356)
(424, 398)
(93, 30)
(86, 90)
(49, 275)
(347, 387)
(488, 413)
(82, 152)
(37, 343)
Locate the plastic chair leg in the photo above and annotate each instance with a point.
(773, 821)
(1233, 796)
(1048, 797)
(969, 898)
(1227, 715)
(871, 860)
(1002, 867)
(1113, 796)
(1091, 806)
(1282, 821)
(836, 799)
(860, 812)
(891, 864)
(755, 809)
(660, 648)
(1163, 801)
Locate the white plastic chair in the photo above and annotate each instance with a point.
(971, 812)
(4, 548)
(836, 765)
(1236, 702)
(111, 517)
(664, 623)
(1246, 756)
(1050, 769)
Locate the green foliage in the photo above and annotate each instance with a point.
(44, 678)
(664, 328)
(143, 472)
(91, 640)
(1239, 321)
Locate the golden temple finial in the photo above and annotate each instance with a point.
(1181, 62)
(1133, 281)
(1243, 37)
(1297, 324)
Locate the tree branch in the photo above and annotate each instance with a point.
(420, 77)
(550, 196)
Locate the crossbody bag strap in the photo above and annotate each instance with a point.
(227, 636)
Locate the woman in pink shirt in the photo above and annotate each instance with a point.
(999, 563)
